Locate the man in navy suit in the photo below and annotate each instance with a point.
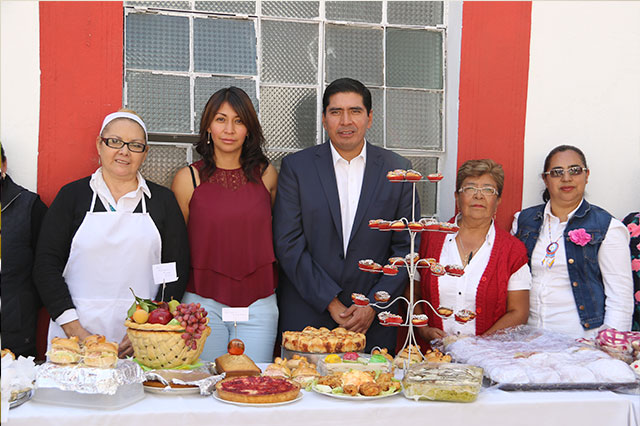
(326, 196)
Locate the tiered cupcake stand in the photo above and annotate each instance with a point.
(412, 262)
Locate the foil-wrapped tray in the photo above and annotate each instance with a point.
(107, 389)
(89, 380)
(202, 379)
(631, 387)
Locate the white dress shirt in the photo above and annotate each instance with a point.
(459, 293)
(126, 204)
(349, 176)
(551, 303)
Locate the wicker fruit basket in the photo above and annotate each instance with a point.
(162, 346)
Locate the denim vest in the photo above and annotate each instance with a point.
(582, 261)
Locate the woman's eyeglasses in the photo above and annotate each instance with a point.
(472, 190)
(118, 144)
(559, 171)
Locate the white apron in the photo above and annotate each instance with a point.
(110, 252)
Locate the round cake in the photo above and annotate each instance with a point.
(257, 390)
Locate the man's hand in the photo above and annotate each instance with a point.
(125, 348)
(358, 318)
(431, 333)
(74, 328)
(336, 309)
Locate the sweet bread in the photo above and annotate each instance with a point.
(323, 340)
(236, 365)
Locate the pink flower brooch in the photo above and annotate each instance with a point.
(579, 237)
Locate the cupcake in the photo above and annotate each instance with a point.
(396, 175)
(445, 312)
(419, 320)
(374, 223)
(382, 296)
(430, 224)
(454, 270)
(415, 226)
(390, 270)
(398, 225)
(413, 175)
(366, 264)
(434, 177)
(360, 299)
(438, 270)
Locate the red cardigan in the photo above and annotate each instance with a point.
(507, 256)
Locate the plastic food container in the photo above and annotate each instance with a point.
(362, 364)
(442, 382)
(312, 357)
(125, 395)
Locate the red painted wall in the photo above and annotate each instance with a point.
(494, 67)
(81, 82)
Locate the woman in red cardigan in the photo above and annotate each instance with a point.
(496, 279)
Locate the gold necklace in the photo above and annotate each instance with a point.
(465, 258)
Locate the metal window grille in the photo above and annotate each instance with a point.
(283, 54)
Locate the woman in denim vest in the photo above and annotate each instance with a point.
(578, 253)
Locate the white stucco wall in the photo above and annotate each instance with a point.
(20, 89)
(584, 90)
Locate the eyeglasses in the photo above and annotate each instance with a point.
(559, 172)
(118, 144)
(472, 190)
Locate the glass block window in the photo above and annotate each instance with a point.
(284, 54)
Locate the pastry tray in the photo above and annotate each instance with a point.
(534, 387)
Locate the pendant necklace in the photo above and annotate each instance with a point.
(552, 248)
(465, 261)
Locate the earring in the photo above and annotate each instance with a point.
(208, 138)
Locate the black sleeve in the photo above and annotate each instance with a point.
(52, 253)
(175, 243)
(38, 210)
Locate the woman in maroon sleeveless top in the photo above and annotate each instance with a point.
(226, 200)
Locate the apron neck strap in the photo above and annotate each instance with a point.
(144, 204)
(93, 202)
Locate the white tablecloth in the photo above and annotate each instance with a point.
(493, 407)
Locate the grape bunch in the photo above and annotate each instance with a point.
(193, 318)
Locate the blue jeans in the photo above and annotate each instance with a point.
(258, 334)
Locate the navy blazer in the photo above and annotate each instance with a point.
(307, 230)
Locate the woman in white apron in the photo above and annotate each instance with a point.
(117, 241)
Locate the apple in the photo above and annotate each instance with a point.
(160, 316)
(235, 347)
(163, 305)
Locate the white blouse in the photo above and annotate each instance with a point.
(459, 293)
(551, 302)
